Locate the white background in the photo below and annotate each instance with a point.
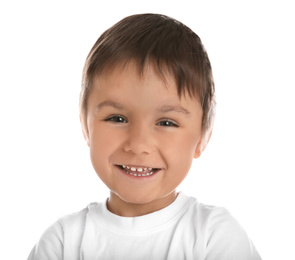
(248, 165)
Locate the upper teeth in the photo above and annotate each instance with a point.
(134, 169)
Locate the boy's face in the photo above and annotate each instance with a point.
(142, 136)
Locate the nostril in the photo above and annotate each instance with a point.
(139, 139)
(137, 147)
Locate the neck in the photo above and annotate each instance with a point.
(123, 208)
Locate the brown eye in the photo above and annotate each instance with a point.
(116, 119)
(167, 122)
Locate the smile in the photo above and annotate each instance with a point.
(138, 171)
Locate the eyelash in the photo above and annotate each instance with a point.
(122, 119)
(116, 119)
(167, 123)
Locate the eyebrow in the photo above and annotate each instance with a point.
(162, 109)
(109, 103)
(179, 109)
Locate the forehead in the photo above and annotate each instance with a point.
(132, 73)
(125, 86)
(132, 80)
(139, 70)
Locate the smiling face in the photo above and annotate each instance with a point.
(142, 136)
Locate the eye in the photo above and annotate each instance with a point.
(116, 119)
(167, 122)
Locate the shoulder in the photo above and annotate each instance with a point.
(66, 232)
(73, 220)
(221, 234)
(207, 215)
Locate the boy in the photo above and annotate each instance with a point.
(147, 109)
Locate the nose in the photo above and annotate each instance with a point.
(139, 140)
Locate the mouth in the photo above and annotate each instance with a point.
(138, 171)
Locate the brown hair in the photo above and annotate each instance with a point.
(160, 39)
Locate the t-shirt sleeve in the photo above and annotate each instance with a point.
(227, 240)
(50, 245)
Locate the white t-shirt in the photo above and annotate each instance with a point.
(186, 229)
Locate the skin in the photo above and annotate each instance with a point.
(139, 121)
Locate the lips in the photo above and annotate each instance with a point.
(138, 171)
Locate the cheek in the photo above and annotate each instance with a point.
(101, 150)
(102, 144)
(180, 152)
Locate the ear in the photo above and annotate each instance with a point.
(202, 144)
(86, 136)
(84, 130)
